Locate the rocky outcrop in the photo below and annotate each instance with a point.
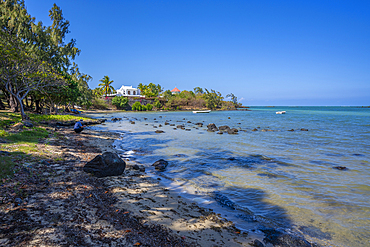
(232, 131)
(107, 164)
(116, 119)
(224, 127)
(160, 165)
(212, 127)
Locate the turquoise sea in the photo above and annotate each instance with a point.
(280, 178)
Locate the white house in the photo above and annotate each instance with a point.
(128, 91)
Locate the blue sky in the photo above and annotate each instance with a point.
(265, 52)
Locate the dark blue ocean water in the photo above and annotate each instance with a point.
(273, 175)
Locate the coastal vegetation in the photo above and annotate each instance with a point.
(37, 72)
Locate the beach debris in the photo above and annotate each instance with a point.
(160, 164)
(212, 127)
(107, 164)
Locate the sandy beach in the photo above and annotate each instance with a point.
(67, 206)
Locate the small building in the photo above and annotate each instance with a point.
(128, 91)
(175, 91)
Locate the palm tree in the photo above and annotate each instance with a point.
(106, 85)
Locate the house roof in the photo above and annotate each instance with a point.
(175, 90)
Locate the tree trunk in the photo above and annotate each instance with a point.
(37, 105)
(13, 103)
(21, 107)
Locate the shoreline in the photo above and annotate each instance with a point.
(75, 208)
(138, 195)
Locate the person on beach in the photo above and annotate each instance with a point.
(79, 127)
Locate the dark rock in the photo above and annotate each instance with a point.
(199, 124)
(188, 122)
(220, 132)
(28, 124)
(138, 168)
(172, 124)
(160, 116)
(116, 119)
(187, 129)
(107, 164)
(254, 129)
(232, 131)
(132, 122)
(304, 129)
(145, 118)
(340, 167)
(160, 164)
(224, 127)
(160, 125)
(154, 126)
(179, 126)
(291, 130)
(228, 118)
(257, 243)
(159, 131)
(166, 123)
(212, 127)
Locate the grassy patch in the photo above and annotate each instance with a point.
(6, 165)
(7, 118)
(38, 118)
(27, 136)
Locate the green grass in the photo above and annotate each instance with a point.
(6, 165)
(21, 145)
(27, 136)
(38, 118)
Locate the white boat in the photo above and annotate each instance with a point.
(205, 111)
(280, 112)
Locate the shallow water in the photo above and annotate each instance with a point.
(274, 176)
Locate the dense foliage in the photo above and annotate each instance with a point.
(150, 90)
(36, 69)
(198, 99)
(120, 102)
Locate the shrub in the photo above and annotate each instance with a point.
(137, 106)
(120, 101)
(149, 107)
(100, 104)
(157, 104)
(143, 108)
